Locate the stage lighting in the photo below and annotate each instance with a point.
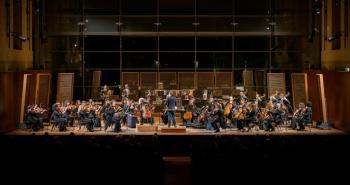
(19, 37)
(334, 37)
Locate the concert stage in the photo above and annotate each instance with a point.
(189, 132)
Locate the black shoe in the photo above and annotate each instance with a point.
(218, 130)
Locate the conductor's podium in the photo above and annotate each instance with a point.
(178, 129)
(146, 128)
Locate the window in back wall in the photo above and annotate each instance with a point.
(17, 24)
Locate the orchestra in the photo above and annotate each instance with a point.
(214, 113)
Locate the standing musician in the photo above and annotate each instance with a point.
(126, 92)
(171, 108)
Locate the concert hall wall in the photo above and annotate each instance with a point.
(337, 90)
(9, 101)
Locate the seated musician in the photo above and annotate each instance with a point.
(277, 114)
(216, 117)
(86, 119)
(304, 116)
(147, 115)
(251, 115)
(298, 116)
(58, 117)
(268, 117)
(34, 120)
(187, 116)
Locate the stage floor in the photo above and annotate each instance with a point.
(189, 131)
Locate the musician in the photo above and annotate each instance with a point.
(252, 115)
(86, 118)
(147, 115)
(243, 96)
(126, 92)
(58, 117)
(171, 108)
(306, 116)
(34, 118)
(298, 116)
(216, 116)
(228, 109)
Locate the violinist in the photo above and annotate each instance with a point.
(306, 116)
(34, 118)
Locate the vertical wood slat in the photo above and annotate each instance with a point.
(96, 84)
(186, 80)
(65, 83)
(168, 79)
(276, 82)
(205, 80)
(42, 92)
(248, 82)
(299, 88)
(148, 80)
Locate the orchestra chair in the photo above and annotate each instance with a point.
(53, 123)
(309, 125)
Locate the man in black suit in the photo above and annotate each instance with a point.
(171, 107)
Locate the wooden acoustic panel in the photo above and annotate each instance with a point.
(223, 83)
(276, 82)
(132, 79)
(96, 84)
(168, 79)
(260, 79)
(186, 80)
(299, 88)
(205, 80)
(42, 92)
(223, 80)
(148, 80)
(248, 82)
(321, 90)
(65, 83)
(25, 96)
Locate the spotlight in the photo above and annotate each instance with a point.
(267, 28)
(20, 37)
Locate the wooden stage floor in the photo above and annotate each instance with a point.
(189, 132)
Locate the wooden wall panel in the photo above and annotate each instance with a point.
(96, 84)
(337, 91)
(65, 83)
(299, 88)
(42, 91)
(130, 78)
(168, 79)
(314, 94)
(248, 82)
(205, 80)
(9, 101)
(260, 80)
(25, 95)
(276, 82)
(148, 80)
(186, 80)
(223, 83)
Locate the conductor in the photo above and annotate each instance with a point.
(171, 108)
